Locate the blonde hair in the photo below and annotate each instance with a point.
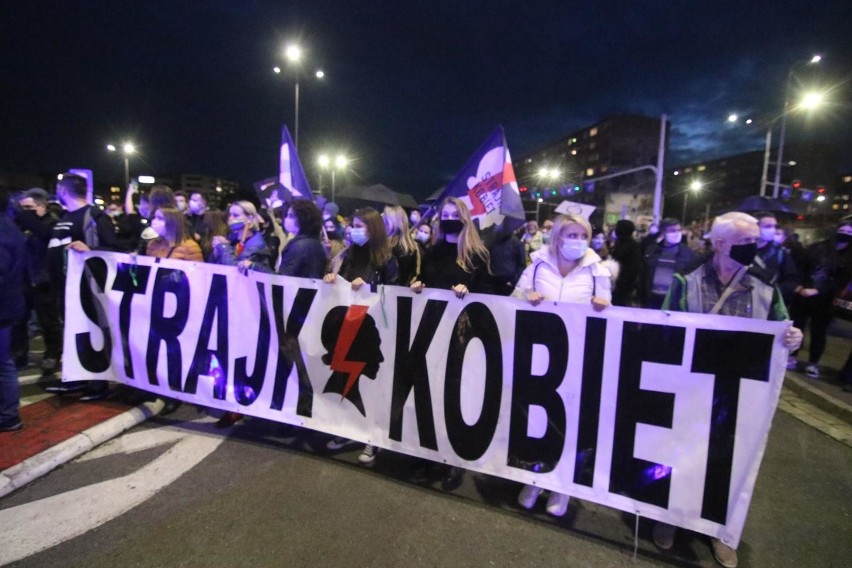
(396, 224)
(563, 221)
(251, 212)
(469, 245)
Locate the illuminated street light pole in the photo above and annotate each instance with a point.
(127, 148)
(340, 162)
(777, 183)
(694, 186)
(293, 54)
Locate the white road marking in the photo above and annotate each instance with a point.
(32, 399)
(39, 525)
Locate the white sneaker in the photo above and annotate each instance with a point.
(664, 535)
(368, 456)
(557, 504)
(812, 370)
(528, 496)
(724, 554)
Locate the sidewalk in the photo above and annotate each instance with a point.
(59, 428)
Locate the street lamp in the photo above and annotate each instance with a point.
(339, 163)
(127, 148)
(293, 54)
(694, 186)
(777, 183)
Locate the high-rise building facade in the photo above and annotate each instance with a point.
(567, 169)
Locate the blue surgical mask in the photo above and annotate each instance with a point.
(236, 226)
(573, 249)
(359, 236)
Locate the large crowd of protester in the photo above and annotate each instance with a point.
(747, 266)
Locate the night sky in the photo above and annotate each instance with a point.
(411, 88)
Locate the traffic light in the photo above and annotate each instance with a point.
(796, 184)
(820, 189)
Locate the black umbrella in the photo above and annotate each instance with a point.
(378, 193)
(757, 203)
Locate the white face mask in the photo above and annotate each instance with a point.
(674, 238)
(359, 235)
(767, 234)
(573, 249)
(423, 237)
(597, 244)
(779, 239)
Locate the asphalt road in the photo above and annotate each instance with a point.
(258, 496)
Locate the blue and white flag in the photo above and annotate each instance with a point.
(487, 185)
(291, 175)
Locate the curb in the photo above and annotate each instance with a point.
(31, 469)
(818, 398)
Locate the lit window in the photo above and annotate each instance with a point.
(835, 207)
(847, 179)
(573, 152)
(687, 170)
(702, 168)
(677, 172)
(590, 172)
(573, 141)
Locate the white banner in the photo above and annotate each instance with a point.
(661, 414)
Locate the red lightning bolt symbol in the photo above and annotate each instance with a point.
(348, 332)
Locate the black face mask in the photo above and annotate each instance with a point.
(844, 238)
(451, 226)
(743, 254)
(332, 235)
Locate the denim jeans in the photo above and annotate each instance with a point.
(9, 388)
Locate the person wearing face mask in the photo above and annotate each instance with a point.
(826, 269)
(180, 201)
(773, 263)
(244, 247)
(598, 244)
(546, 228)
(567, 270)
(333, 239)
(423, 237)
(369, 260)
(723, 285)
(195, 210)
(304, 255)
(661, 261)
(414, 218)
(173, 239)
(458, 261)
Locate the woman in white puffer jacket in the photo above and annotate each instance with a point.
(566, 270)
